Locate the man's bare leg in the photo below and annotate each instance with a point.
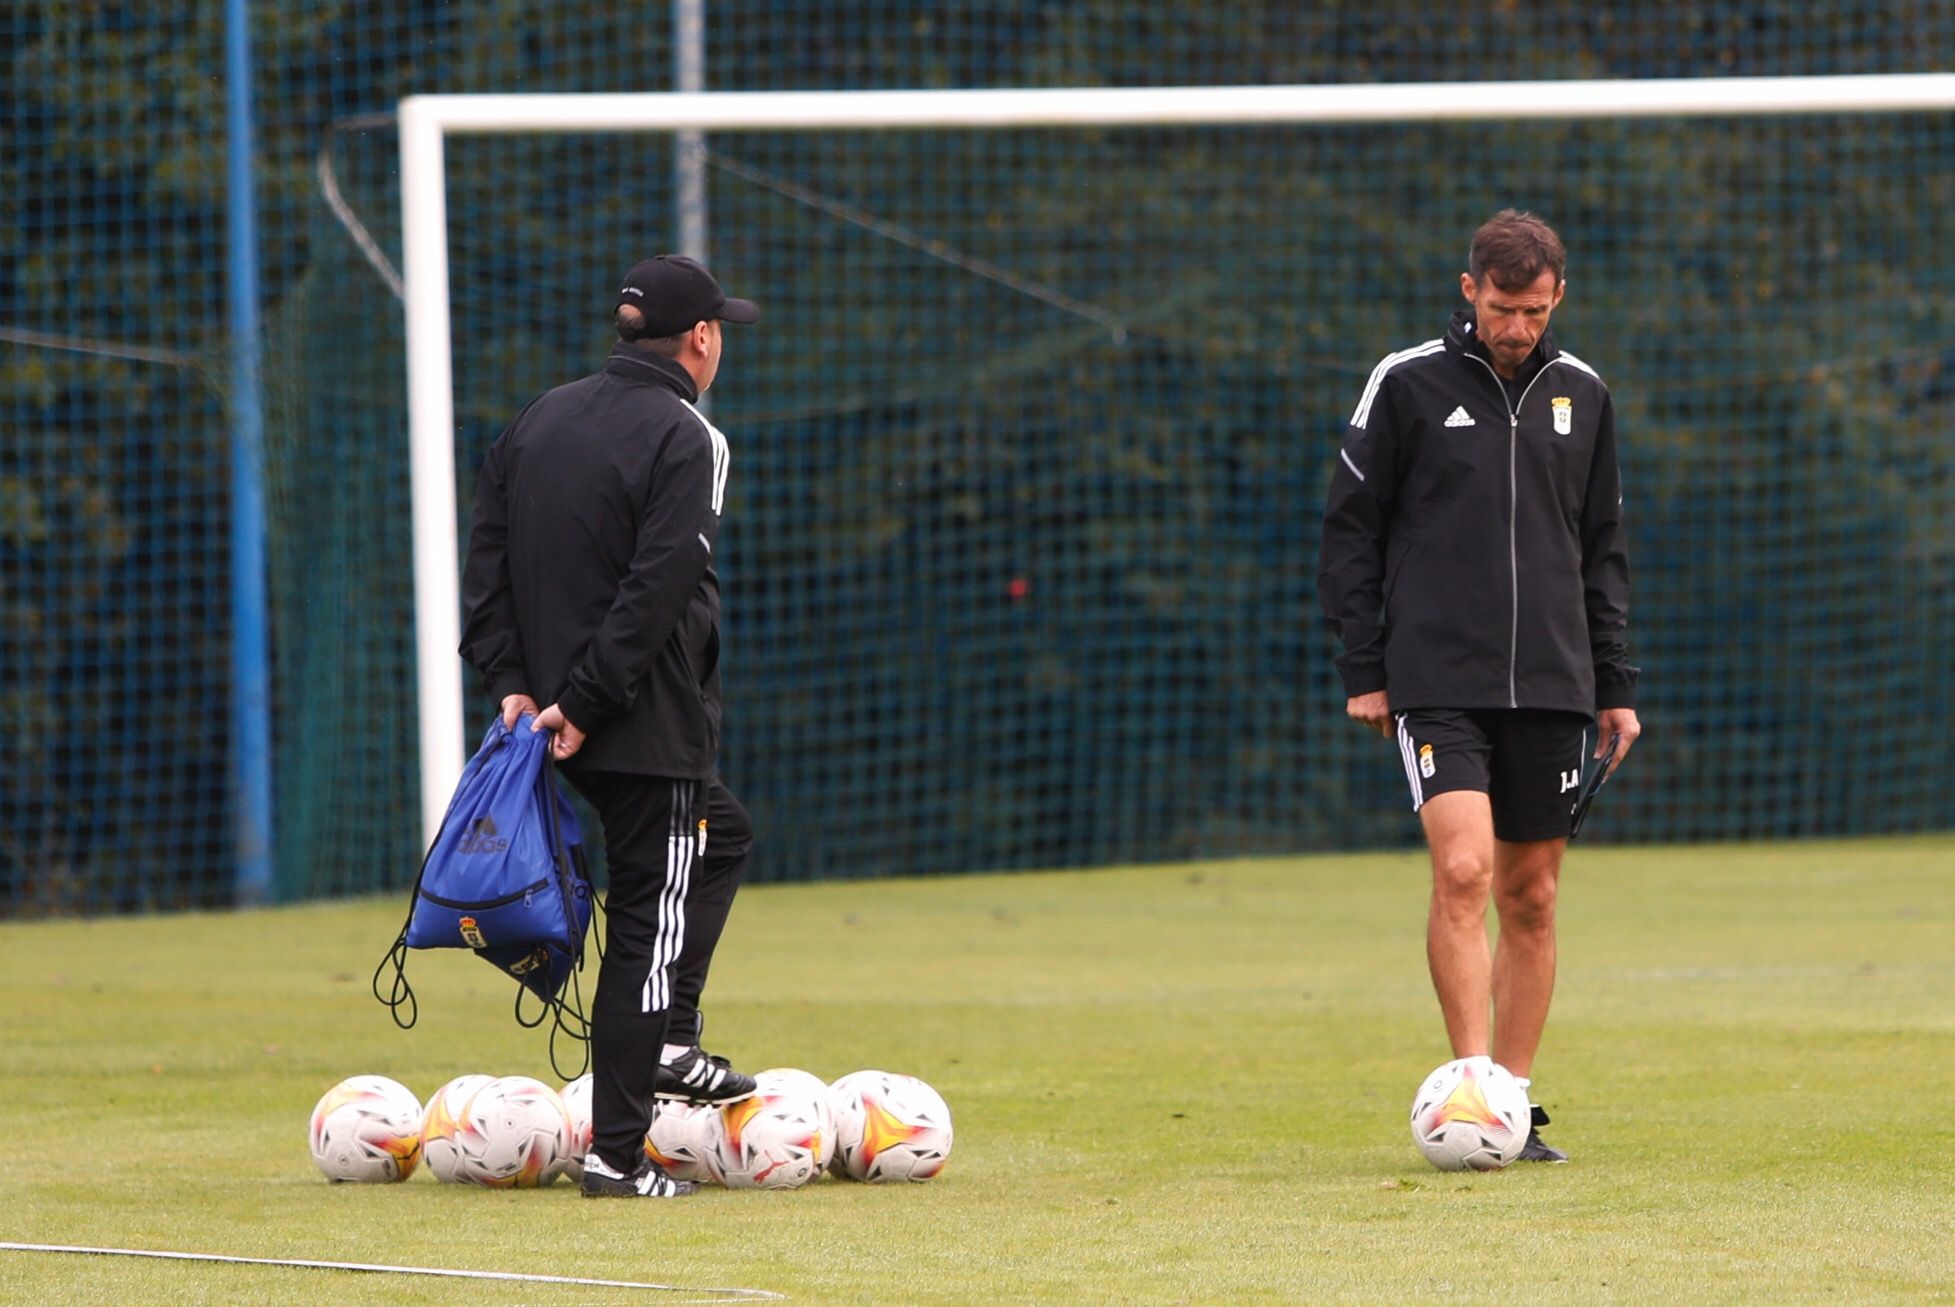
(1526, 878)
(1459, 833)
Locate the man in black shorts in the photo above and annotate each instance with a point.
(1473, 566)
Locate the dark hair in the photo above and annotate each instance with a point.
(631, 329)
(1514, 248)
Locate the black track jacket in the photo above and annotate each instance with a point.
(589, 579)
(1473, 552)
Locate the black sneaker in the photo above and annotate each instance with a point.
(1535, 1150)
(648, 1181)
(699, 1077)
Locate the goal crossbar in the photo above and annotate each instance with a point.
(427, 120)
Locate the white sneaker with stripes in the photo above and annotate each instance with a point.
(648, 1181)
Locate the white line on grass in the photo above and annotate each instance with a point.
(723, 1295)
(1813, 971)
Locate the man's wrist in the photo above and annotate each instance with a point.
(577, 710)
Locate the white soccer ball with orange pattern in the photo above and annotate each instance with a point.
(687, 1140)
(367, 1130)
(778, 1138)
(1471, 1115)
(446, 1130)
(576, 1098)
(889, 1127)
(806, 1085)
(511, 1133)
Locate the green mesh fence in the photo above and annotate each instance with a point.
(1030, 449)
(114, 614)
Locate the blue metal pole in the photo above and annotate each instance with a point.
(250, 698)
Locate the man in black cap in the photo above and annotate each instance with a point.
(589, 586)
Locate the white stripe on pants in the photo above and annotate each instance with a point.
(680, 844)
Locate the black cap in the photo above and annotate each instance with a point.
(674, 292)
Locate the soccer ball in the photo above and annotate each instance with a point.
(1471, 1115)
(510, 1133)
(805, 1084)
(445, 1128)
(777, 1138)
(889, 1127)
(576, 1098)
(687, 1140)
(367, 1129)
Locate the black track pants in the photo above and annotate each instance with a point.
(676, 850)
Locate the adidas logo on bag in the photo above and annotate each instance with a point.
(1459, 417)
(482, 837)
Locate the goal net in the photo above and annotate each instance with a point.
(1030, 448)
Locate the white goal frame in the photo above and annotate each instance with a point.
(426, 121)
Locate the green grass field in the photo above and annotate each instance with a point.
(1172, 1084)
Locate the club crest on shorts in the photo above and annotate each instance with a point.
(1425, 761)
(702, 837)
(1564, 414)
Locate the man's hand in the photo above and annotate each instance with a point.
(1372, 710)
(569, 738)
(514, 706)
(1616, 721)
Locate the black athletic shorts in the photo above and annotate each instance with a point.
(1527, 761)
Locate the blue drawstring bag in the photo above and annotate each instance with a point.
(547, 946)
(505, 877)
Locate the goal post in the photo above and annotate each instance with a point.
(425, 121)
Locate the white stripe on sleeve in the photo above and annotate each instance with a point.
(1573, 362)
(722, 457)
(1363, 412)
